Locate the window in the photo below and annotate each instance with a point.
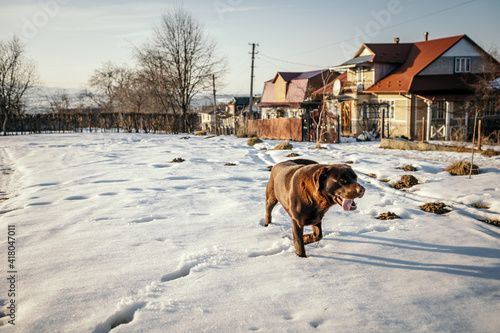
(462, 65)
(369, 112)
(388, 108)
(439, 110)
(359, 79)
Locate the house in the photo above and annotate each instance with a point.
(405, 84)
(237, 104)
(210, 120)
(226, 122)
(284, 94)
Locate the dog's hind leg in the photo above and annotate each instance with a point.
(316, 236)
(271, 200)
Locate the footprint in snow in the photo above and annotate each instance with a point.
(204, 259)
(76, 197)
(283, 245)
(124, 315)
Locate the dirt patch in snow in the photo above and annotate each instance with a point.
(494, 222)
(388, 216)
(283, 146)
(435, 207)
(406, 181)
(462, 168)
(408, 167)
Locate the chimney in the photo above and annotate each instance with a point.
(426, 36)
(396, 40)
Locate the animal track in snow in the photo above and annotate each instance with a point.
(76, 197)
(198, 261)
(150, 218)
(124, 315)
(109, 181)
(281, 246)
(46, 184)
(105, 194)
(127, 308)
(3, 311)
(38, 204)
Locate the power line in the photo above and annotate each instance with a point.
(270, 63)
(389, 27)
(290, 62)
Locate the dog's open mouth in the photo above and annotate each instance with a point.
(346, 204)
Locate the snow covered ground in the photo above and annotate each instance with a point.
(112, 236)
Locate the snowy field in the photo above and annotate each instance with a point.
(112, 236)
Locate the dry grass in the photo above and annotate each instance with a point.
(435, 207)
(284, 146)
(491, 152)
(201, 133)
(494, 222)
(319, 146)
(462, 168)
(253, 141)
(406, 181)
(480, 206)
(388, 216)
(178, 160)
(408, 167)
(292, 155)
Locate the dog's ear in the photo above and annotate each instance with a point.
(319, 178)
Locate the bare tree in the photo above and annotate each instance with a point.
(183, 57)
(154, 74)
(486, 91)
(134, 93)
(59, 101)
(321, 122)
(17, 75)
(106, 83)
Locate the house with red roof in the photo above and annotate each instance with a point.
(284, 95)
(405, 84)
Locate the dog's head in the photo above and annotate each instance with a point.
(339, 183)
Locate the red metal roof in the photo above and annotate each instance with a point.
(420, 55)
(289, 76)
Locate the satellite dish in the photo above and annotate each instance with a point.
(336, 87)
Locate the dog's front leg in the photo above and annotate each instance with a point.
(298, 239)
(316, 236)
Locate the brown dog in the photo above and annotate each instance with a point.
(306, 190)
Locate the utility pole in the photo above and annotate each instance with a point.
(215, 107)
(251, 79)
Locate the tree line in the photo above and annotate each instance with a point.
(80, 121)
(153, 94)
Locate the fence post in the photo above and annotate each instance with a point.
(423, 129)
(479, 135)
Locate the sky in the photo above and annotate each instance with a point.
(70, 39)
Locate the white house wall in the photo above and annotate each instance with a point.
(445, 64)
(462, 49)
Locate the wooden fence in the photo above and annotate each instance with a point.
(100, 121)
(277, 129)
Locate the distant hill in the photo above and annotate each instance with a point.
(38, 99)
